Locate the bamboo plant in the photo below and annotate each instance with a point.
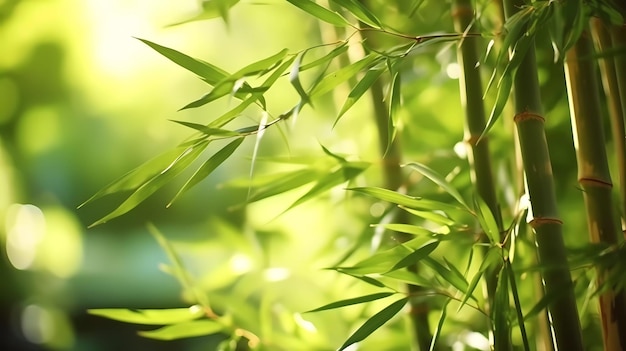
(545, 221)
(594, 178)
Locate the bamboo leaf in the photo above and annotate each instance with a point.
(294, 77)
(405, 228)
(150, 316)
(155, 183)
(375, 322)
(359, 89)
(394, 107)
(448, 275)
(210, 9)
(208, 72)
(486, 220)
(501, 309)
(342, 48)
(184, 330)
(358, 10)
(518, 306)
(140, 175)
(407, 201)
(228, 84)
(442, 319)
(320, 12)
(332, 80)
(344, 173)
(383, 261)
(492, 256)
(352, 301)
(431, 216)
(209, 166)
(439, 180)
(207, 130)
(416, 256)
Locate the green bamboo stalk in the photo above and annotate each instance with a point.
(594, 176)
(545, 217)
(479, 156)
(618, 38)
(394, 180)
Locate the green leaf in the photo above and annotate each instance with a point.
(394, 107)
(442, 319)
(448, 275)
(179, 271)
(139, 175)
(294, 77)
(209, 166)
(492, 256)
(405, 200)
(359, 89)
(358, 10)
(207, 130)
(342, 48)
(155, 183)
(486, 220)
(342, 174)
(150, 316)
(210, 9)
(416, 255)
(184, 330)
(384, 261)
(431, 216)
(320, 12)
(353, 301)
(259, 67)
(375, 322)
(332, 80)
(208, 72)
(501, 308)
(518, 306)
(239, 109)
(439, 180)
(405, 228)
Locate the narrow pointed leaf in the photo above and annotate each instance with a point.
(375, 322)
(431, 216)
(151, 186)
(405, 228)
(320, 12)
(294, 77)
(394, 107)
(210, 9)
(486, 220)
(346, 172)
(259, 67)
(439, 180)
(332, 80)
(342, 48)
(352, 301)
(407, 201)
(442, 319)
(207, 130)
(184, 330)
(491, 257)
(140, 175)
(208, 72)
(416, 256)
(209, 166)
(358, 10)
(501, 312)
(359, 89)
(150, 316)
(448, 275)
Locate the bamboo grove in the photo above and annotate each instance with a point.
(515, 279)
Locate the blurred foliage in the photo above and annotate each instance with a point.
(82, 102)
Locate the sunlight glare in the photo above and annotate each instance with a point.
(37, 324)
(240, 264)
(25, 227)
(276, 274)
(304, 324)
(453, 70)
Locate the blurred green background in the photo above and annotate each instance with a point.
(82, 102)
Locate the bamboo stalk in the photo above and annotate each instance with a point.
(394, 180)
(618, 38)
(594, 176)
(545, 222)
(479, 156)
